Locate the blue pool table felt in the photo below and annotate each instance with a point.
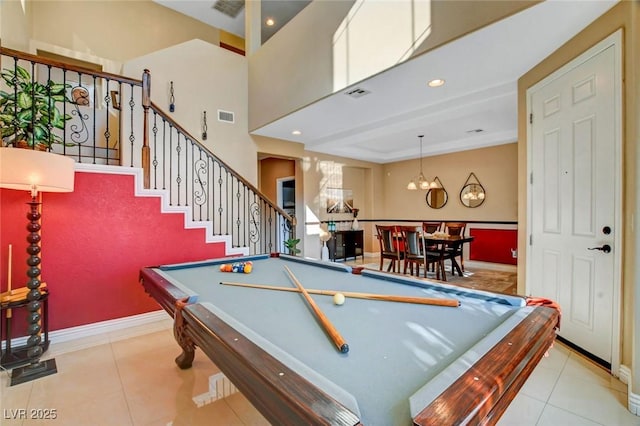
(400, 354)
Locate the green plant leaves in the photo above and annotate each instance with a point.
(28, 109)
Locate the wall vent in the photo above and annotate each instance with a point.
(357, 92)
(229, 7)
(226, 116)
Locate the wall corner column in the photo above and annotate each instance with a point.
(252, 26)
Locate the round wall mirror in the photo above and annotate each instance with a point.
(437, 198)
(472, 195)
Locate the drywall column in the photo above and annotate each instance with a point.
(252, 26)
(634, 61)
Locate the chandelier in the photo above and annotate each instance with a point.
(419, 182)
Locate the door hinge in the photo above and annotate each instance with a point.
(530, 239)
(531, 179)
(531, 118)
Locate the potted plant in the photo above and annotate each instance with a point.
(291, 244)
(28, 111)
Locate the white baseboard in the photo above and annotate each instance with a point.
(74, 338)
(633, 399)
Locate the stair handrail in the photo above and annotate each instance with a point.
(146, 103)
(69, 67)
(155, 108)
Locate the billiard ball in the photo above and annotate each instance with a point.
(338, 298)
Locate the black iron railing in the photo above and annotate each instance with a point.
(111, 120)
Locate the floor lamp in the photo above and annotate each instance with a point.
(34, 171)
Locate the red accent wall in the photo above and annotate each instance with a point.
(94, 242)
(493, 245)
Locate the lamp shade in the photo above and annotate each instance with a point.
(28, 169)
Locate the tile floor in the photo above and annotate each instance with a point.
(129, 378)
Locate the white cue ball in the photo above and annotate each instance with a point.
(338, 298)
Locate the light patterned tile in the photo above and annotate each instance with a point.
(592, 401)
(13, 399)
(553, 416)
(104, 410)
(146, 345)
(540, 383)
(58, 348)
(142, 330)
(247, 412)
(556, 358)
(523, 411)
(580, 367)
(213, 414)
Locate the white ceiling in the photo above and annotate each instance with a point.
(481, 72)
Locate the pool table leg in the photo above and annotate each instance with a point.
(185, 359)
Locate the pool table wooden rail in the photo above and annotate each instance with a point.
(286, 399)
(479, 396)
(482, 394)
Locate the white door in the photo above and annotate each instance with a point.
(575, 197)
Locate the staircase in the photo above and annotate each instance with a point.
(114, 123)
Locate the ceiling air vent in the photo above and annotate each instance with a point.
(357, 92)
(229, 7)
(226, 116)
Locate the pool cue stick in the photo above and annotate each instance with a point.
(356, 295)
(9, 313)
(9, 269)
(338, 340)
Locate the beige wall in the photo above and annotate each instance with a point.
(454, 19)
(379, 190)
(322, 171)
(15, 24)
(624, 15)
(232, 40)
(272, 169)
(114, 30)
(295, 67)
(205, 77)
(496, 168)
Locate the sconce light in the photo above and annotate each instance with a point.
(204, 126)
(34, 171)
(172, 99)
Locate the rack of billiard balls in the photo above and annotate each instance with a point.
(240, 267)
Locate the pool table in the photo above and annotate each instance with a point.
(407, 363)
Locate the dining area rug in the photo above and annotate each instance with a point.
(477, 278)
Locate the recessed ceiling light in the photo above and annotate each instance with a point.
(296, 132)
(270, 22)
(436, 82)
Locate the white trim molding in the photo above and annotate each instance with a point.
(103, 332)
(633, 399)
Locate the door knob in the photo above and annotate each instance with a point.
(605, 248)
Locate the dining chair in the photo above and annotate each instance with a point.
(389, 247)
(415, 253)
(456, 250)
(431, 227)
